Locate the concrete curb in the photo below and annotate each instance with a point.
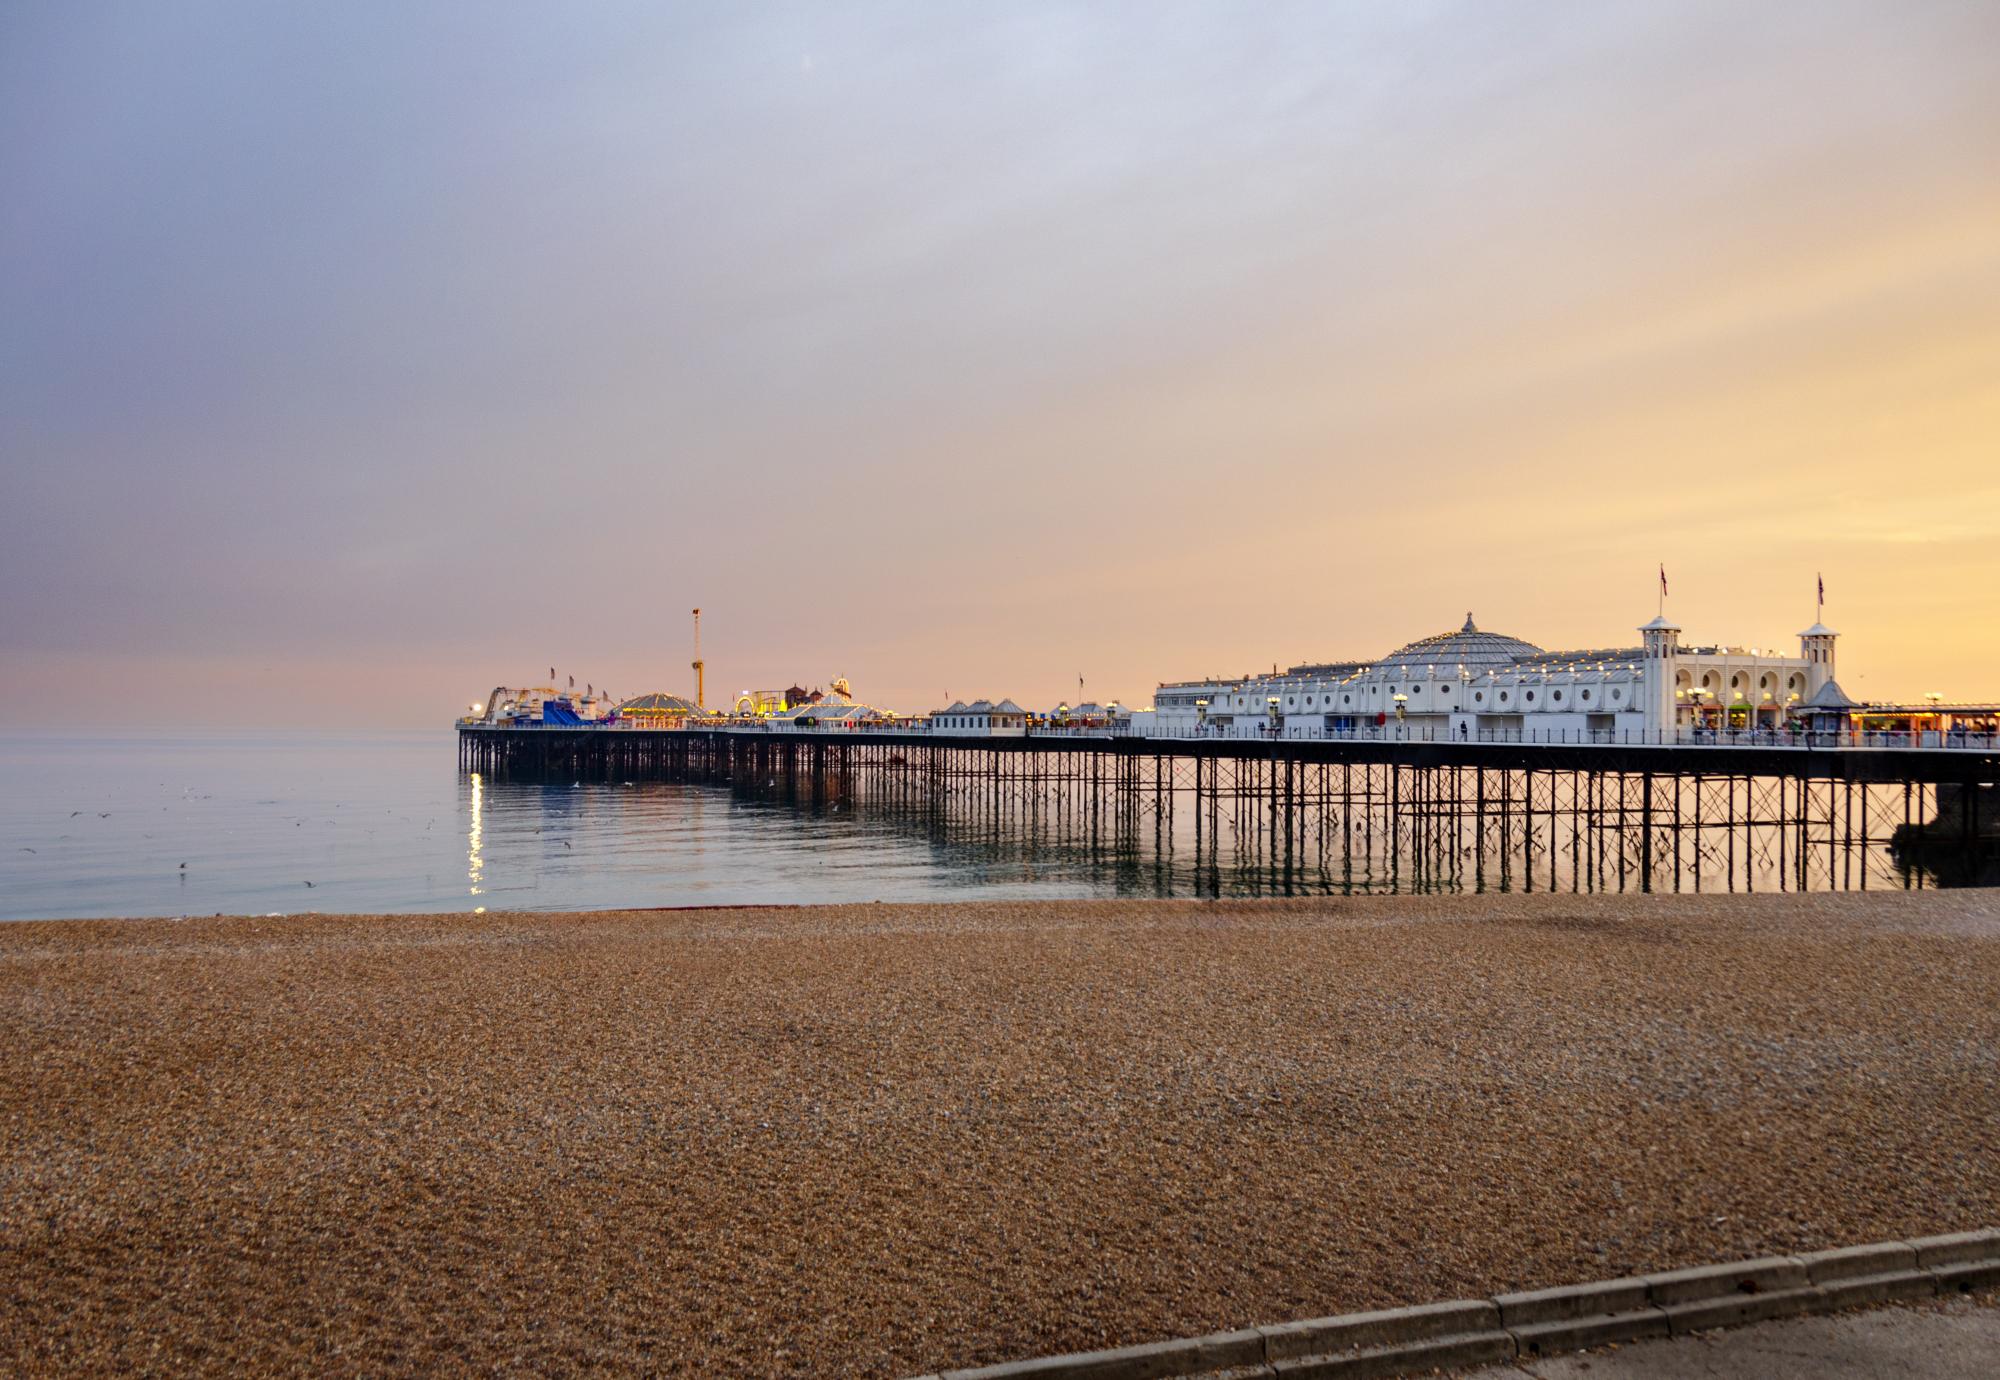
(1545, 1322)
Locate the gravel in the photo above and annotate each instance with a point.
(880, 1140)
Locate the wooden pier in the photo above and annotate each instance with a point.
(1305, 813)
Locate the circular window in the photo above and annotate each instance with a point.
(1586, 697)
(1558, 697)
(1347, 699)
(1291, 700)
(1479, 697)
(1503, 697)
(1531, 697)
(1617, 694)
(1445, 689)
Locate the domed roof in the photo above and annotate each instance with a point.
(659, 702)
(1469, 648)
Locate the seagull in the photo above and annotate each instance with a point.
(308, 883)
(184, 867)
(27, 850)
(565, 843)
(104, 814)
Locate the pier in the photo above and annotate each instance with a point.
(1290, 816)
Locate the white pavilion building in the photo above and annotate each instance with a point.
(1473, 684)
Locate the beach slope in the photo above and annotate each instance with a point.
(881, 1140)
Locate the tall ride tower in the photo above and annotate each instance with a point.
(700, 690)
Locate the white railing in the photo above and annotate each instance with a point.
(1766, 738)
(1601, 737)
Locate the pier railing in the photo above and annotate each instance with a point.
(1767, 739)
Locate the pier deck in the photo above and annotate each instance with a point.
(1929, 765)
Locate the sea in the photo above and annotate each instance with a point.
(229, 822)
(111, 824)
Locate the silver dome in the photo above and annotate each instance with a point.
(1468, 649)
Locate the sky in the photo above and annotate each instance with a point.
(358, 358)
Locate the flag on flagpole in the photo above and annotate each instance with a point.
(1822, 591)
(1663, 580)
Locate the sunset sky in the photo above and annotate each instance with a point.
(355, 358)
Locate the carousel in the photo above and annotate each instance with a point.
(659, 710)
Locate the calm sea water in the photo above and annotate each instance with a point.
(197, 823)
(237, 822)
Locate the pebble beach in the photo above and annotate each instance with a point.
(883, 1140)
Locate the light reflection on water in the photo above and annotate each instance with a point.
(475, 865)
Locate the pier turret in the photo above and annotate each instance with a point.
(1661, 641)
(1816, 646)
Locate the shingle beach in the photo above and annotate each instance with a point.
(882, 1140)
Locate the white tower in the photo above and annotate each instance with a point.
(1662, 645)
(1816, 646)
